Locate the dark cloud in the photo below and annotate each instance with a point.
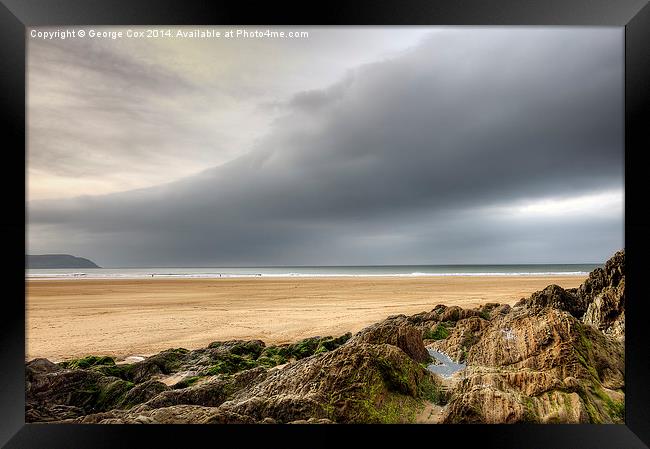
(400, 162)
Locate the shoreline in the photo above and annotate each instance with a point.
(300, 276)
(69, 318)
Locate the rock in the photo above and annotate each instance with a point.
(394, 331)
(555, 297)
(492, 310)
(460, 338)
(600, 279)
(552, 358)
(38, 412)
(455, 313)
(212, 392)
(599, 301)
(605, 292)
(164, 362)
(278, 355)
(358, 382)
(251, 348)
(58, 394)
(484, 403)
(179, 414)
(40, 366)
(424, 318)
(142, 393)
(88, 362)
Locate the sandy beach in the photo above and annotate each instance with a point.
(73, 318)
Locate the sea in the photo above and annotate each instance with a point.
(315, 271)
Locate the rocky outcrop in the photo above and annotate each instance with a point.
(522, 366)
(180, 414)
(599, 301)
(320, 378)
(605, 288)
(142, 393)
(396, 331)
(557, 356)
(556, 297)
(54, 393)
(355, 383)
(212, 391)
(358, 382)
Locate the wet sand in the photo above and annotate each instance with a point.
(73, 318)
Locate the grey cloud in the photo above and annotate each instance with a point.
(93, 109)
(394, 164)
(315, 100)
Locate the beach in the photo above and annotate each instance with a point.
(68, 318)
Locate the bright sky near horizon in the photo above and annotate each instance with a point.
(368, 145)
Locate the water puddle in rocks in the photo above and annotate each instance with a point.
(447, 366)
(131, 359)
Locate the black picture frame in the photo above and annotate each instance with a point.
(634, 15)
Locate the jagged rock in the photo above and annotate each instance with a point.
(605, 289)
(212, 392)
(40, 366)
(178, 414)
(600, 279)
(143, 392)
(59, 393)
(394, 331)
(164, 362)
(524, 357)
(423, 318)
(460, 338)
(555, 297)
(483, 402)
(277, 355)
(599, 301)
(545, 360)
(91, 361)
(38, 412)
(358, 382)
(455, 313)
(251, 348)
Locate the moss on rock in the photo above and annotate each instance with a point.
(439, 332)
(87, 362)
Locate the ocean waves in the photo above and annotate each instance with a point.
(324, 272)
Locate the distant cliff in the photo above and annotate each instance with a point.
(58, 261)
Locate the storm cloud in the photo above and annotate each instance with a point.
(500, 145)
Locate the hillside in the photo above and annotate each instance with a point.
(57, 261)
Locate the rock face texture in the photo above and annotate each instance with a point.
(393, 331)
(606, 287)
(319, 379)
(555, 357)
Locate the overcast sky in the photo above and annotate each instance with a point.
(352, 146)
